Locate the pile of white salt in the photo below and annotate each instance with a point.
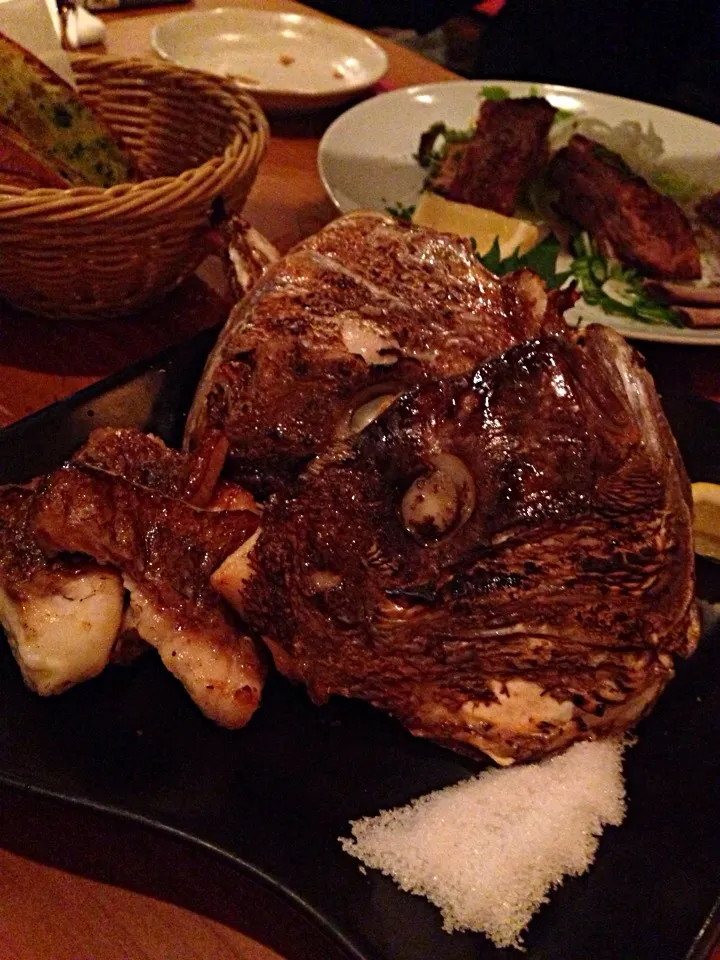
(488, 850)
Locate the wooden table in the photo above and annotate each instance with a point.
(42, 361)
(59, 897)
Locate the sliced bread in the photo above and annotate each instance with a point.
(62, 128)
(21, 165)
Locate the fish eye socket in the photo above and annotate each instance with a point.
(370, 411)
(439, 501)
(366, 408)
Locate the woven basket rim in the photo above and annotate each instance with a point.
(62, 203)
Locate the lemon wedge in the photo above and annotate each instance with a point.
(482, 225)
(706, 520)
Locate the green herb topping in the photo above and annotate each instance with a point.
(401, 211)
(616, 290)
(495, 93)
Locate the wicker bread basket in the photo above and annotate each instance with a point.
(93, 252)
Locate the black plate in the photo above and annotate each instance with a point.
(274, 797)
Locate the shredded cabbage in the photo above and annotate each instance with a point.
(642, 149)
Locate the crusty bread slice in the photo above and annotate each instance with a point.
(50, 114)
(22, 165)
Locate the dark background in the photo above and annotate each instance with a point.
(658, 51)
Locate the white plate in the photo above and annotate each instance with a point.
(366, 157)
(288, 61)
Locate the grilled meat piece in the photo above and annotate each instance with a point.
(683, 293)
(709, 210)
(700, 317)
(166, 550)
(503, 560)
(622, 212)
(505, 153)
(61, 617)
(144, 460)
(696, 306)
(345, 322)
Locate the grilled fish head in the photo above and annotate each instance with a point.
(339, 327)
(502, 560)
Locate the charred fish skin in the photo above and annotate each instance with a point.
(249, 254)
(143, 460)
(503, 561)
(61, 617)
(151, 538)
(622, 212)
(166, 550)
(350, 318)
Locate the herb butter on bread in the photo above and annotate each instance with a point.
(21, 165)
(61, 128)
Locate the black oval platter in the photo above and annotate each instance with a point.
(274, 798)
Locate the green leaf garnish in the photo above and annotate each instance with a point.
(401, 210)
(492, 260)
(675, 185)
(495, 93)
(542, 259)
(592, 271)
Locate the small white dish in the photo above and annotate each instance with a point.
(288, 61)
(366, 158)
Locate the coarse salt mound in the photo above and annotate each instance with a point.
(487, 851)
